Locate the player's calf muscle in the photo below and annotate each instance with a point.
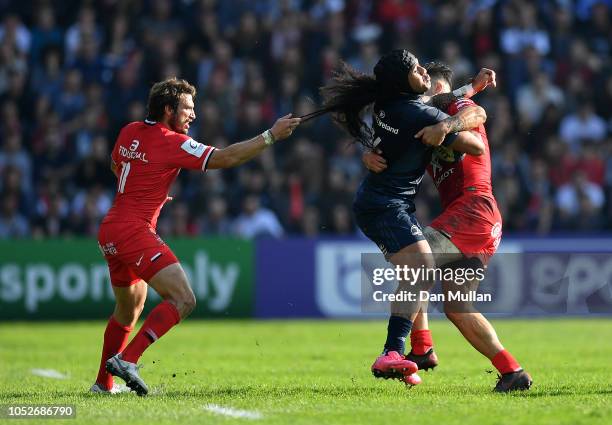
(127, 316)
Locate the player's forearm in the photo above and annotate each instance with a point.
(469, 142)
(245, 151)
(114, 169)
(465, 91)
(237, 153)
(466, 119)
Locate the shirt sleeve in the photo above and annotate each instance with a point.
(184, 152)
(460, 104)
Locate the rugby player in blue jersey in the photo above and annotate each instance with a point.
(384, 204)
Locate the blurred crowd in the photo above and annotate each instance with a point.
(72, 73)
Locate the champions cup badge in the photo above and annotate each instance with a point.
(496, 230)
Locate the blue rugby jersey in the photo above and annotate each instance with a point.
(395, 123)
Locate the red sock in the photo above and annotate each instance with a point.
(421, 341)
(505, 363)
(116, 337)
(158, 322)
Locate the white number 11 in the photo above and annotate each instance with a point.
(125, 170)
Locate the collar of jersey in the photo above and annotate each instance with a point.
(152, 123)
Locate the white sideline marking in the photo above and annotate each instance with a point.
(48, 373)
(234, 413)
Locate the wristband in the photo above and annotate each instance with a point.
(467, 91)
(268, 137)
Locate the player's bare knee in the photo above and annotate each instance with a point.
(187, 300)
(459, 312)
(185, 303)
(452, 312)
(189, 303)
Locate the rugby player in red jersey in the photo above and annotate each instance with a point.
(147, 157)
(466, 233)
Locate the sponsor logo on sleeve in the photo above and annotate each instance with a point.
(193, 148)
(496, 229)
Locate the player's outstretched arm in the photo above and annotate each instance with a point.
(485, 78)
(465, 119)
(239, 153)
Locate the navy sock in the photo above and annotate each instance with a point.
(397, 331)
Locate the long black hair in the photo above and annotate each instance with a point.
(349, 92)
(346, 95)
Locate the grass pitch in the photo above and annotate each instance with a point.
(313, 372)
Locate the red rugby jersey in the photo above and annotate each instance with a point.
(455, 173)
(149, 156)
